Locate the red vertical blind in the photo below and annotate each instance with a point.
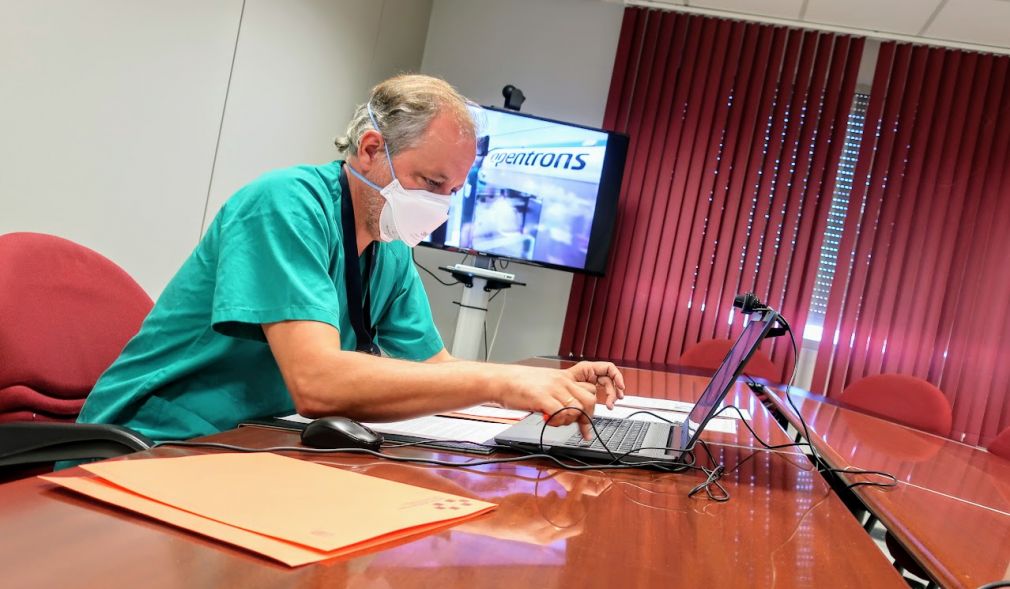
(736, 130)
(923, 286)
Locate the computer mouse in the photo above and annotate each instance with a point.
(339, 432)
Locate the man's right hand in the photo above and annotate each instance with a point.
(549, 391)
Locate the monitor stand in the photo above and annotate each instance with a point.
(478, 280)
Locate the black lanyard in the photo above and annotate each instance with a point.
(360, 312)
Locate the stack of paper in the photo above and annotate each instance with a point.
(290, 510)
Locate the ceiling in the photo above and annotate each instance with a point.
(982, 25)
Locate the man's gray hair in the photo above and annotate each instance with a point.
(404, 107)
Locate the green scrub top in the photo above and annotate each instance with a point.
(200, 363)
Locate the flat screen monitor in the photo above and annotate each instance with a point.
(540, 192)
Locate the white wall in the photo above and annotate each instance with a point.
(108, 117)
(300, 69)
(560, 53)
(110, 109)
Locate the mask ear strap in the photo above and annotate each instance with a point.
(358, 175)
(385, 144)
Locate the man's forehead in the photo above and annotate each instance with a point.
(447, 131)
(446, 149)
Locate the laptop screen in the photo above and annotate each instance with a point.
(727, 373)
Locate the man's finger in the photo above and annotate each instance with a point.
(554, 413)
(593, 371)
(614, 374)
(606, 392)
(585, 394)
(574, 398)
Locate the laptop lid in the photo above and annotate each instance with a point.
(758, 326)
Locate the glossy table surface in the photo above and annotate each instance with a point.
(782, 527)
(951, 508)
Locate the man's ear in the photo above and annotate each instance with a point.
(369, 148)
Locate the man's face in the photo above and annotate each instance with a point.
(439, 163)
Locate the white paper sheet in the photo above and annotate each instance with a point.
(433, 427)
(668, 405)
(296, 418)
(436, 427)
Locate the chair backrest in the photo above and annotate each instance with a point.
(709, 354)
(65, 314)
(1000, 446)
(904, 399)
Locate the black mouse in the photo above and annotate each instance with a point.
(339, 432)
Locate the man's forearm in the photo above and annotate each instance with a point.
(324, 380)
(370, 388)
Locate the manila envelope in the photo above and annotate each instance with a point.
(289, 509)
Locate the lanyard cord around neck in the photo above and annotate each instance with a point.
(359, 311)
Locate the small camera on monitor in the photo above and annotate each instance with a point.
(514, 97)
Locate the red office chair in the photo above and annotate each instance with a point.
(910, 401)
(65, 314)
(709, 354)
(1001, 445)
(904, 399)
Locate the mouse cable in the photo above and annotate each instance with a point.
(713, 475)
(618, 463)
(407, 459)
(616, 458)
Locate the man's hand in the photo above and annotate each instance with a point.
(605, 376)
(550, 391)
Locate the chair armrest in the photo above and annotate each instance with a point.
(25, 443)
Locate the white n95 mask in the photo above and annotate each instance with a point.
(407, 215)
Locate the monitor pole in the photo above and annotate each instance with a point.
(479, 281)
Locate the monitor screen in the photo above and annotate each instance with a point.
(540, 192)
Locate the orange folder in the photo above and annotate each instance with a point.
(290, 510)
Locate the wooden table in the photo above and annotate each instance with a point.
(951, 508)
(782, 527)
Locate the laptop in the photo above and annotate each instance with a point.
(647, 441)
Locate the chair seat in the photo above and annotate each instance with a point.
(904, 399)
(66, 312)
(1000, 446)
(709, 354)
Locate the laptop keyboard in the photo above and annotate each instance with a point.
(619, 435)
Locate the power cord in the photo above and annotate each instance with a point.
(574, 465)
(713, 475)
(430, 273)
(487, 349)
(497, 325)
(819, 463)
(407, 459)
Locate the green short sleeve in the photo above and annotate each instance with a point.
(276, 248)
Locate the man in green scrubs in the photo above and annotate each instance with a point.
(271, 312)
